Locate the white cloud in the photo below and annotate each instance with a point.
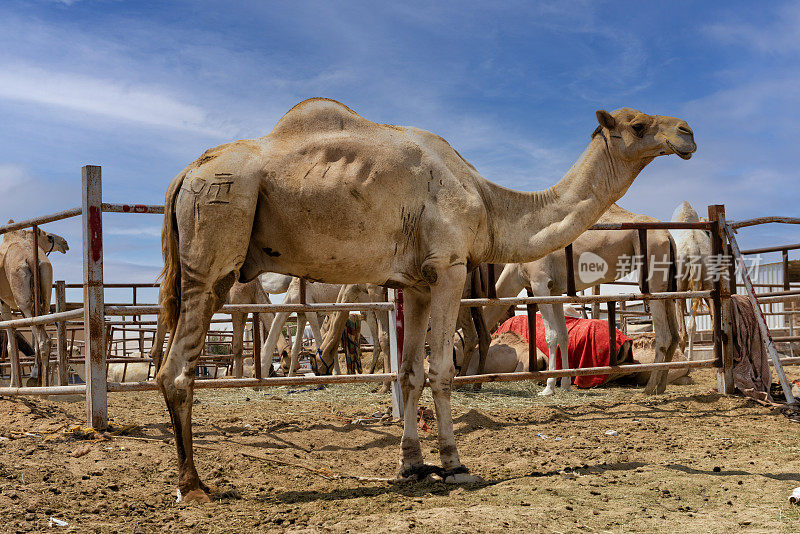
(780, 36)
(11, 176)
(113, 99)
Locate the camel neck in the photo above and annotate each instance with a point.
(527, 226)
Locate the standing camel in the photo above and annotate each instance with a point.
(547, 276)
(411, 212)
(253, 292)
(693, 249)
(16, 286)
(317, 292)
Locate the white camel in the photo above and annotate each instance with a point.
(17, 290)
(409, 211)
(693, 249)
(617, 250)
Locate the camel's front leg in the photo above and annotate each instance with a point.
(445, 299)
(338, 323)
(412, 379)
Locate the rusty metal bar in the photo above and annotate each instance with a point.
(533, 361)
(66, 214)
(261, 308)
(612, 332)
(570, 264)
(716, 302)
(777, 248)
(96, 392)
(302, 291)
(37, 275)
(42, 319)
(644, 270)
(564, 299)
(607, 370)
(133, 208)
(61, 335)
(660, 225)
(257, 345)
(763, 220)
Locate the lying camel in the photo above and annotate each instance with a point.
(16, 287)
(508, 353)
(410, 212)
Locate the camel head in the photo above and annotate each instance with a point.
(636, 136)
(50, 242)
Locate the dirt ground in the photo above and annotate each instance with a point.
(686, 461)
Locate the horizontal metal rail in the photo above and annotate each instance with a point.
(221, 383)
(566, 299)
(211, 383)
(777, 248)
(660, 225)
(42, 319)
(779, 298)
(607, 370)
(260, 308)
(19, 225)
(133, 208)
(763, 220)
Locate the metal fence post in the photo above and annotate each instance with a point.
(93, 299)
(61, 334)
(396, 349)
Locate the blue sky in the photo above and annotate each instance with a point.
(142, 88)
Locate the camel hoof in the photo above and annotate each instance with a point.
(459, 475)
(416, 473)
(548, 391)
(195, 495)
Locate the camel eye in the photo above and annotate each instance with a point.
(638, 128)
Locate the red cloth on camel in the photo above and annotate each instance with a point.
(588, 344)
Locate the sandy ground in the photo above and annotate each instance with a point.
(686, 461)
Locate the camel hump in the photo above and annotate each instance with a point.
(685, 213)
(319, 114)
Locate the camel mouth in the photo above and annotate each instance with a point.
(681, 154)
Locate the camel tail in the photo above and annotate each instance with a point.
(170, 292)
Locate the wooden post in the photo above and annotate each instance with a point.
(722, 325)
(533, 361)
(16, 369)
(257, 346)
(596, 305)
(93, 299)
(396, 349)
(61, 334)
(302, 291)
(612, 333)
(644, 270)
(570, 270)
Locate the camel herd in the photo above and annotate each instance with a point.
(356, 207)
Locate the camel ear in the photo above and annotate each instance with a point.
(605, 119)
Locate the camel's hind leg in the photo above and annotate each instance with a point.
(237, 342)
(176, 376)
(666, 341)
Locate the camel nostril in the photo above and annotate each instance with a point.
(685, 130)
